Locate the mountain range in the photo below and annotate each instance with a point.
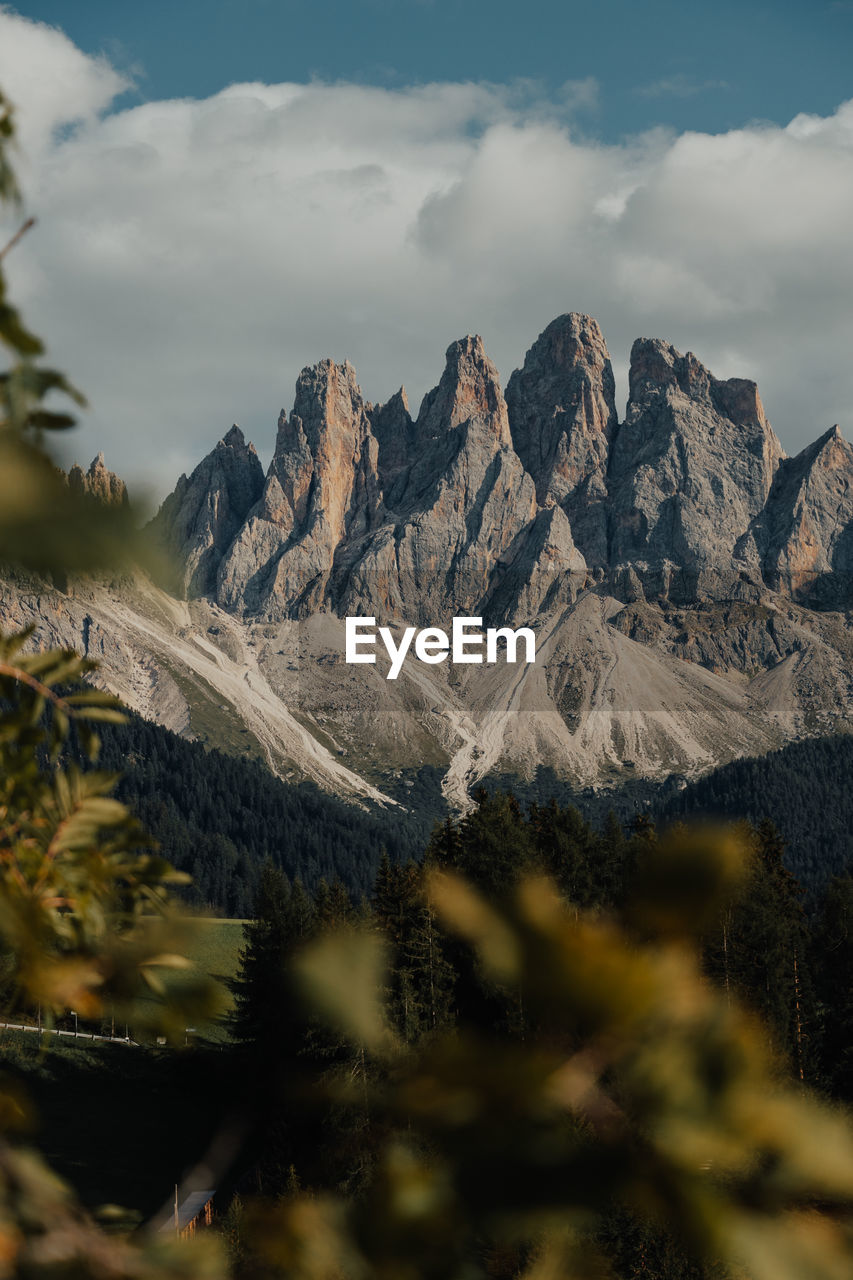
(689, 585)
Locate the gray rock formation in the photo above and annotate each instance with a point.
(806, 530)
(543, 569)
(365, 510)
(322, 489)
(199, 520)
(691, 468)
(562, 414)
(455, 510)
(98, 482)
(392, 426)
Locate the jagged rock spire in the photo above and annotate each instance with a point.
(363, 507)
(469, 388)
(806, 531)
(199, 520)
(98, 482)
(321, 489)
(562, 414)
(691, 468)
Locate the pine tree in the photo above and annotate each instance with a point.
(760, 951)
(332, 904)
(264, 1018)
(567, 849)
(429, 974)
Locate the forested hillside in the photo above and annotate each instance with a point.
(805, 788)
(219, 818)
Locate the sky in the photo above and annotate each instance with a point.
(226, 192)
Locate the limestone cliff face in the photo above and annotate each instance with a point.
(562, 413)
(455, 509)
(322, 488)
(689, 587)
(806, 532)
(511, 506)
(469, 390)
(365, 510)
(543, 570)
(691, 468)
(200, 519)
(392, 426)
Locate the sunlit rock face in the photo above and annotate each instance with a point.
(562, 413)
(98, 482)
(365, 507)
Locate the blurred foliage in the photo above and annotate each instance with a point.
(637, 1087)
(75, 879)
(44, 524)
(84, 918)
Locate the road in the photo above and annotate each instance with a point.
(82, 1035)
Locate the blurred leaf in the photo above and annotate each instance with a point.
(685, 880)
(342, 976)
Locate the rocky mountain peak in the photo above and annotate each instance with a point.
(328, 397)
(462, 509)
(562, 414)
(234, 439)
(198, 521)
(687, 583)
(691, 470)
(469, 389)
(832, 448)
(806, 531)
(331, 412)
(656, 366)
(98, 482)
(392, 426)
(321, 489)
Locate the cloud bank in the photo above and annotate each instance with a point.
(192, 256)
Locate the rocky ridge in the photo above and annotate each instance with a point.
(688, 583)
(364, 508)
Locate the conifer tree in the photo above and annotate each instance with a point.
(264, 1019)
(332, 904)
(759, 951)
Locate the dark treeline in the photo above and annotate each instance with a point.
(219, 818)
(794, 970)
(804, 788)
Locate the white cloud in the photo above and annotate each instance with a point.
(43, 71)
(192, 256)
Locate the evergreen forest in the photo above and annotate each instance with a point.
(220, 817)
